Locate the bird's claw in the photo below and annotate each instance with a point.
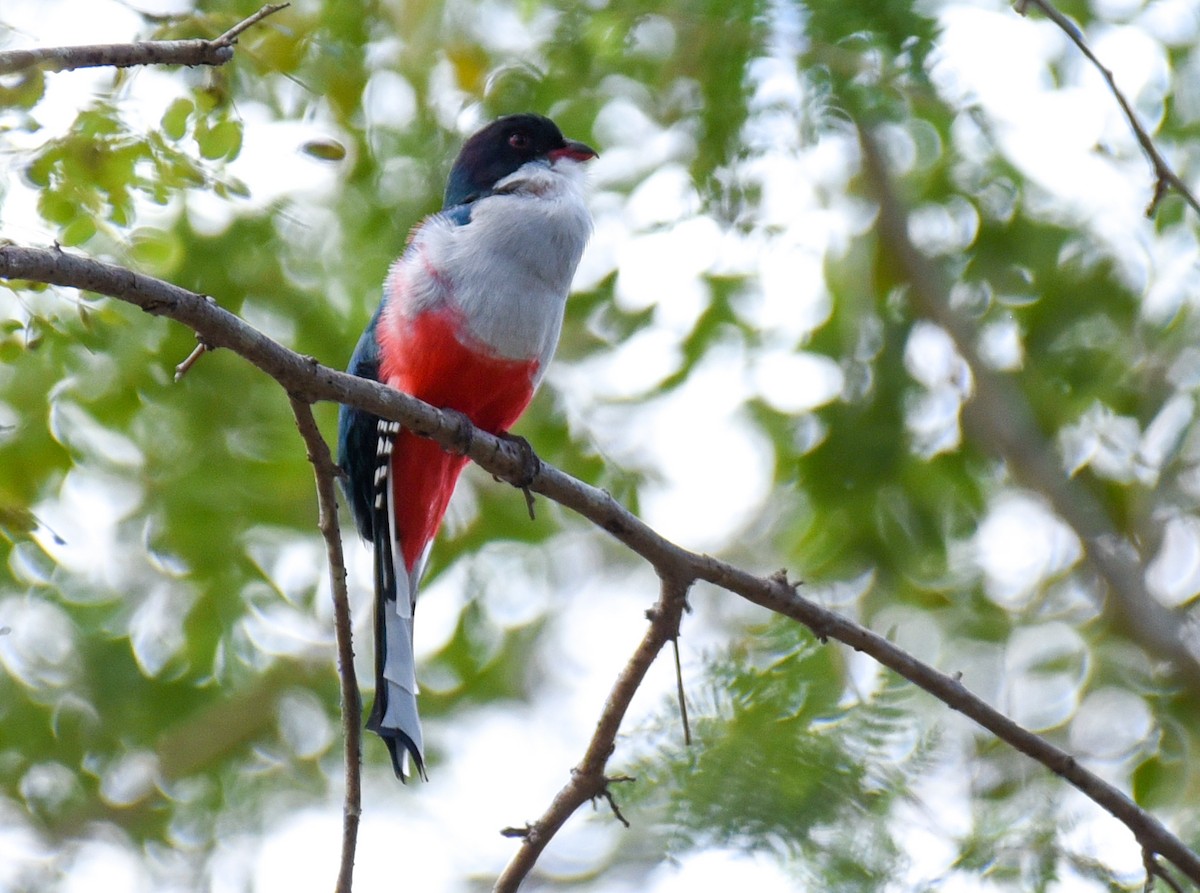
(464, 433)
(531, 465)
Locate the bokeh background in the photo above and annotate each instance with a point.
(742, 364)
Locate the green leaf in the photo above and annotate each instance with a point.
(324, 149)
(175, 118)
(25, 92)
(57, 208)
(158, 252)
(223, 141)
(78, 230)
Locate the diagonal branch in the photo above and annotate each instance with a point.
(126, 55)
(588, 780)
(326, 471)
(307, 380)
(1164, 177)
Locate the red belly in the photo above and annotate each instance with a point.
(425, 358)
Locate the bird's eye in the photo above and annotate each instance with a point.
(519, 141)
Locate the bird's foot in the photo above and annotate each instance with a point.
(464, 432)
(530, 466)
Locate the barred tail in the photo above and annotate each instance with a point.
(394, 714)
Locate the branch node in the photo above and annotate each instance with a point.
(610, 799)
(1162, 186)
(1155, 870)
(528, 833)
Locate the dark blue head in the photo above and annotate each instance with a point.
(503, 146)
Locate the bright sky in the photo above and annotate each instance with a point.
(660, 243)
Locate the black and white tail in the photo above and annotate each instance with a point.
(394, 714)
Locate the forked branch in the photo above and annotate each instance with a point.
(588, 779)
(199, 51)
(307, 380)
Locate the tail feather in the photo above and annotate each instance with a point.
(394, 714)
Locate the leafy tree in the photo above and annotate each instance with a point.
(851, 308)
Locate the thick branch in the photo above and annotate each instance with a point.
(126, 55)
(1164, 177)
(326, 471)
(307, 380)
(588, 780)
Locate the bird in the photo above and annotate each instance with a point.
(469, 320)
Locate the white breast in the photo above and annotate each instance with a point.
(509, 269)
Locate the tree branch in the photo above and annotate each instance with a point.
(588, 780)
(307, 380)
(325, 471)
(126, 55)
(1164, 177)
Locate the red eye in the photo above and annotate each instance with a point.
(519, 141)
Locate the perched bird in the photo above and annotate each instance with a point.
(469, 320)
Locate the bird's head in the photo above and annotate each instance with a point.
(502, 148)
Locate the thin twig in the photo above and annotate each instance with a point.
(325, 472)
(611, 800)
(309, 381)
(588, 780)
(679, 693)
(126, 55)
(1154, 871)
(229, 38)
(1164, 177)
(197, 352)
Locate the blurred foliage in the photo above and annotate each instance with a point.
(783, 764)
(164, 629)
